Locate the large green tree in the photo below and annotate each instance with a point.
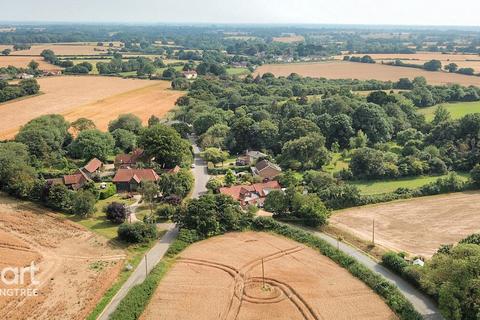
(92, 143)
(165, 145)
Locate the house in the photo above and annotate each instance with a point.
(266, 170)
(254, 194)
(250, 158)
(129, 180)
(93, 167)
(50, 73)
(24, 76)
(129, 160)
(71, 181)
(173, 170)
(190, 74)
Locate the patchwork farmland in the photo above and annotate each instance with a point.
(221, 278)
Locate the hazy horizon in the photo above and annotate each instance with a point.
(261, 12)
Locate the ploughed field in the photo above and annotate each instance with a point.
(100, 99)
(364, 71)
(221, 278)
(417, 226)
(76, 267)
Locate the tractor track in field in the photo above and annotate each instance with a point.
(245, 286)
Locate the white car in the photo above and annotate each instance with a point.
(192, 166)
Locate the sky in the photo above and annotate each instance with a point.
(402, 12)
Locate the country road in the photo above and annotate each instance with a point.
(422, 303)
(158, 251)
(200, 173)
(153, 257)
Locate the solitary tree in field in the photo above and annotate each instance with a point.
(6, 52)
(33, 65)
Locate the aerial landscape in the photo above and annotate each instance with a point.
(282, 160)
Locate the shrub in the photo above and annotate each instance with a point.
(108, 192)
(83, 203)
(137, 232)
(166, 211)
(394, 262)
(116, 212)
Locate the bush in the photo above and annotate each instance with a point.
(394, 262)
(116, 212)
(166, 211)
(108, 192)
(83, 203)
(137, 232)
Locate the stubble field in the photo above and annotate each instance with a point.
(221, 278)
(417, 226)
(76, 267)
(364, 71)
(22, 62)
(100, 99)
(73, 48)
(462, 60)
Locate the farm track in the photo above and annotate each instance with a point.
(282, 289)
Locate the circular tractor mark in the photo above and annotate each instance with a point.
(252, 289)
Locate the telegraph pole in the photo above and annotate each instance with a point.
(373, 231)
(146, 266)
(263, 275)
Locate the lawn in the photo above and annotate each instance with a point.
(98, 222)
(457, 110)
(237, 71)
(369, 187)
(337, 164)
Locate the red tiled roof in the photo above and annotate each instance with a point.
(139, 175)
(130, 158)
(236, 192)
(93, 165)
(72, 179)
(174, 170)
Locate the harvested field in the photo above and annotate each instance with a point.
(462, 60)
(76, 267)
(22, 62)
(364, 71)
(221, 278)
(417, 226)
(74, 48)
(289, 39)
(100, 99)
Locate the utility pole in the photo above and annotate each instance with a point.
(146, 266)
(373, 231)
(263, 275)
